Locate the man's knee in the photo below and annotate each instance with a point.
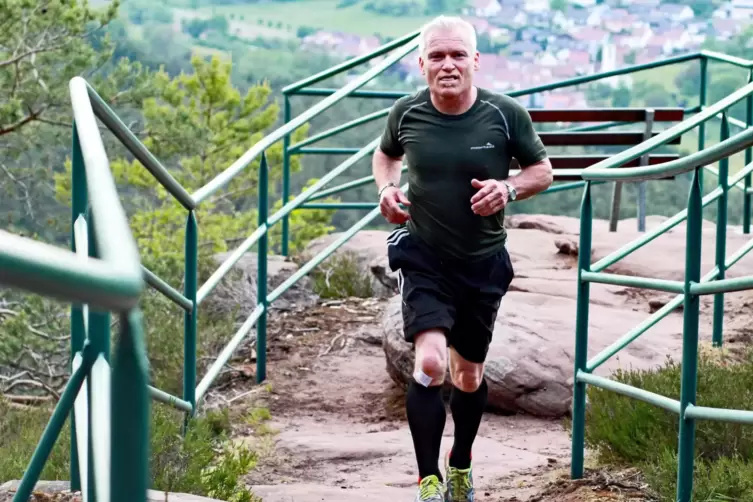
(466, 375)
(433, 366)
(468, 380)
(431, 359)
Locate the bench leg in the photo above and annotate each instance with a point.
(642, 206)
(614, 213)
(641, 202)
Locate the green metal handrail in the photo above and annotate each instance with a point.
(109, 442)
(688, 290)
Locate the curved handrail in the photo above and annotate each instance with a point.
(115, 241)
(721, 150)
(666, 136)
(725, 58)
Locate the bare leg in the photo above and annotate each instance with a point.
(467, 403)
(431, 356)
(424, 404)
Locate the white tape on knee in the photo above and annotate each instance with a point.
(422, 378)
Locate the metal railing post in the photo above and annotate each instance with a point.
(285, 177)
(748, 159)
(99, 340)
(190, 287)
(130, 411)
(704, 63)
(79, 202)
(261, 275)
(691, 316)
(581, 336)
(721, 235)
(650, 114)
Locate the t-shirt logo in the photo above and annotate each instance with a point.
(483, 147)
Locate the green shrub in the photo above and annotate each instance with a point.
(627, 431)
(340, 276)
(191, 464)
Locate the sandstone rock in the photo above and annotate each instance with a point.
(530, 363)
(567, 246)
(236, 294)
(340, 460)
(539, 222)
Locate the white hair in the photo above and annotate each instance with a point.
(448, 23)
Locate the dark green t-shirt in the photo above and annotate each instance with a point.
(445, 152)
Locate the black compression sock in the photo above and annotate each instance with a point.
(467, 410)
(426, 419)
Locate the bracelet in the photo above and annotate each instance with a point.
(390, 184)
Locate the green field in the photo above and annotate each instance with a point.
(323, 14)
(664, 76)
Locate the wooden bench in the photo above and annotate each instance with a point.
(568, 167)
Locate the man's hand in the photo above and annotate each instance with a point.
(491, 197)
(390, 208)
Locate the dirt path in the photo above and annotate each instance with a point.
(341, 432)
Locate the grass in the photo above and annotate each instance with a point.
(664, 76)
(205, 462)
(324, 14)
(625, 431)
(203, 51)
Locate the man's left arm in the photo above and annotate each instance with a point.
(535, 168)
(532, 179)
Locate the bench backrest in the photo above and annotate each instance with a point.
(567, 167)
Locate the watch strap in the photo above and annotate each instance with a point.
(385, 187)
(512, 194)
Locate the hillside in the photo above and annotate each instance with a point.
(320, 15)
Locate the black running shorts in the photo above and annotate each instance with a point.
(461, 298)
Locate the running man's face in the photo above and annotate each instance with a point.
(448, 63)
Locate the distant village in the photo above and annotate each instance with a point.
(544, 44)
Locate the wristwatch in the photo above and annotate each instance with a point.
(512, 194)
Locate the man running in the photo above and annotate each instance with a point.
(449, 246)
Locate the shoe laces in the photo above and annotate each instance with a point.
(459, 481)
(430, 488)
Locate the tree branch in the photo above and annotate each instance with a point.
(33, 115)
(27, 400)
(32, 383)
(31, 52)
(57, 123)
(27, 199)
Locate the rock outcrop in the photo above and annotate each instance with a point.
(530, 363)
(236, 294)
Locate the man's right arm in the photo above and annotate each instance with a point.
(387, 160)
(386, 169)
(387, 166)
